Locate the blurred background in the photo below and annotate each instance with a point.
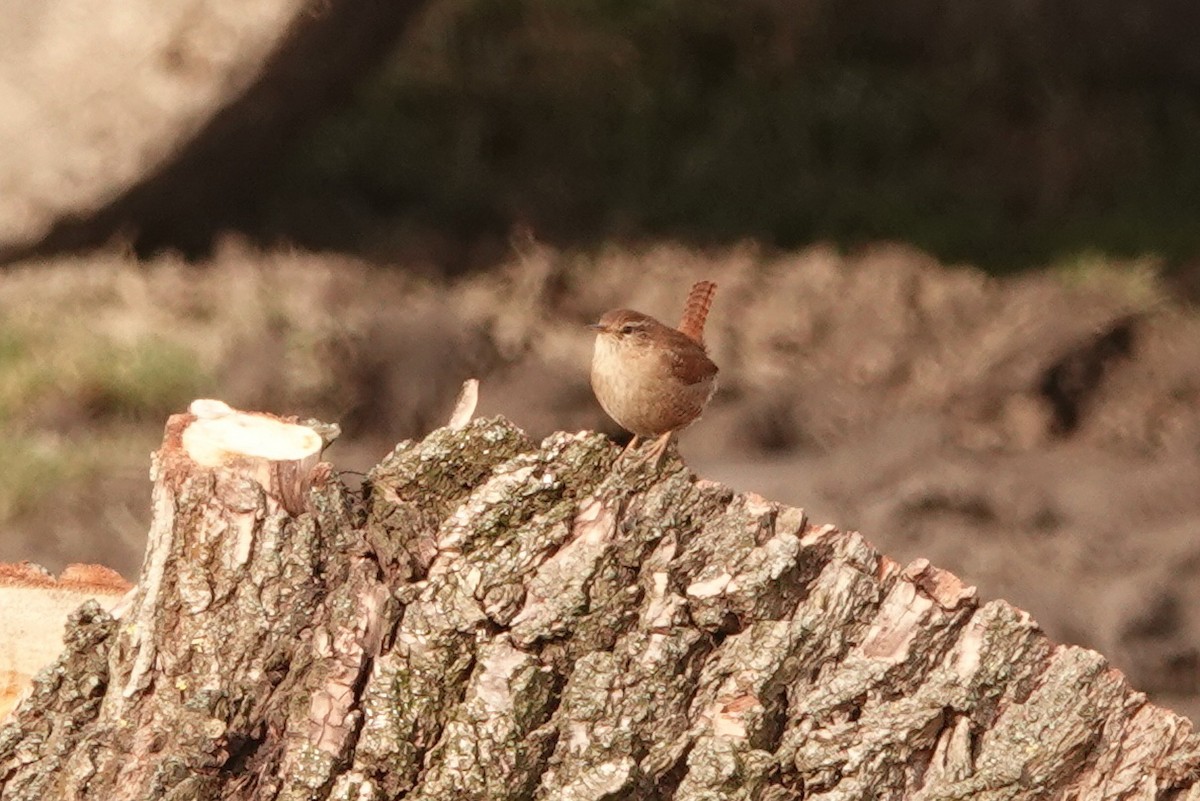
(957, 248)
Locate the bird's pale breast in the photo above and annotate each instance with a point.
(639, 389)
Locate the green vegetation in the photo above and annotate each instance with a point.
(1138, 282)
(148, 380)
(1002, 134)
(34, 469)
(58, 381)
(92, 377)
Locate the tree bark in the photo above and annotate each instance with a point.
(493, 618)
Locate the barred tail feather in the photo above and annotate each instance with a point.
(695, 311)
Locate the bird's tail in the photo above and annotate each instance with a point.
(695, 311)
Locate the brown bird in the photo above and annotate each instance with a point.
(653, 379)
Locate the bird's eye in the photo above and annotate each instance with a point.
(628, 328)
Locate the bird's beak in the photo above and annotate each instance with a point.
(595, 326)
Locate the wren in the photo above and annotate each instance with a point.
(654, 380)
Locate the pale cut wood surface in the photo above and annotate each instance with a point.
(34, 606)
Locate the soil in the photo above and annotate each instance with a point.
(1039, 435)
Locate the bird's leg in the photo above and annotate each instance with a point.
(632, 446)
(658, 450)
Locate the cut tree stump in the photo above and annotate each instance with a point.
(495, 618)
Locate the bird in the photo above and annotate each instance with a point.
(650, 378)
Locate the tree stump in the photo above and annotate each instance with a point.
(493, 618)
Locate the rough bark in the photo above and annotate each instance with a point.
(495, 618)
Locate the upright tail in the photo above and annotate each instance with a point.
(695, 311)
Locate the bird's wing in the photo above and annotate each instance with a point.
(688, 361)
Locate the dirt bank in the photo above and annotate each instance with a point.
(1039, 436)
